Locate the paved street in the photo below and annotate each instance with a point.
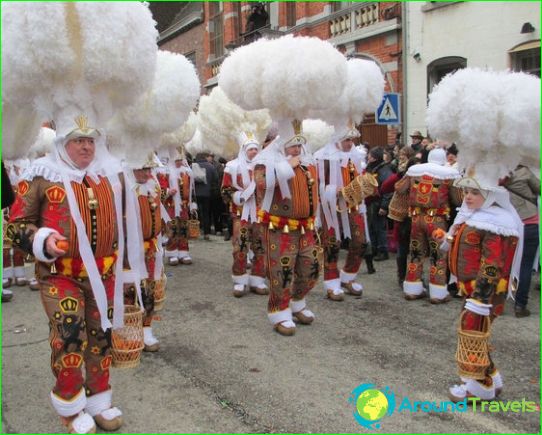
(221, 368)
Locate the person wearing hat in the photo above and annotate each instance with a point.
(67, 215)
(339, 165)
(485, 246)
(142, 237)
(451, 156)
(431, 196)
(417, 138)
(287, 200)
(178, 197)
(238, 190)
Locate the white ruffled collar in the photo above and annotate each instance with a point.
(51, 170)
(433, 170)
(494, 219)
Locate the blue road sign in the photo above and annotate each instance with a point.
(389, 113)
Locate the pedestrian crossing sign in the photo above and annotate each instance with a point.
(388, 113)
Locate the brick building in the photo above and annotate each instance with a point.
(207, 31)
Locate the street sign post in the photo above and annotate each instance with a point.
(389, 112)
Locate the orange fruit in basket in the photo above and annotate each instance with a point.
(438, 233)
(63, 245)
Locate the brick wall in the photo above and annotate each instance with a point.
(188, 42)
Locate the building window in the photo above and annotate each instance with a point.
(526, 58)
(237, 24)
(338, 6)
(437, 69)
(290, 14)
(216, 19)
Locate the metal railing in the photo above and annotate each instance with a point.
(359, 16)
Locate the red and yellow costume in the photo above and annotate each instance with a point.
(431, 196)
(481, 256)
(290, 241)
(246, 236)
(151, 226)
(76, 335)
(340, 220)
(177, 228)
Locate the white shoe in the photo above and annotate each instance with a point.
(151, 342)
(83, 423)
(471, 388)
(238, 290)
(34, 284)
(7, 295)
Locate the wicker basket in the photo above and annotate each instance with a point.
(160, 293)
(127, 342)
(472, 353)
(398, 208)
(193, 230)
(360, 188)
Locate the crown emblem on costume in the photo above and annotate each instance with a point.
(82, 123)
(72, 360)
(69, 305)
(105, 363)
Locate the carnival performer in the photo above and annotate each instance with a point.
(69, 211)
(431, 196)
(13, 258)
(238, 191)
(178, 197)
(144, 235)
(284, 172)
(485, 242)
(339, 164)
(66, 215)
(286, 209)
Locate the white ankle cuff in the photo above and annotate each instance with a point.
(67, 408)
(414, 288)
(98, 403)
(298, 306)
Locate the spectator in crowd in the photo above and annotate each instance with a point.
(204, 176)
(451, 156)
(377, 206)
(417, 138)
(217, 205)
(256, 20)
(227, 223)
(524, 188)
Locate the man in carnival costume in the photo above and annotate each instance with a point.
(178, 198)
(238, 189)
(287, 200)
(143, 245)
(339, 164)
(69, 211)
(431, 196)
(66, 215)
